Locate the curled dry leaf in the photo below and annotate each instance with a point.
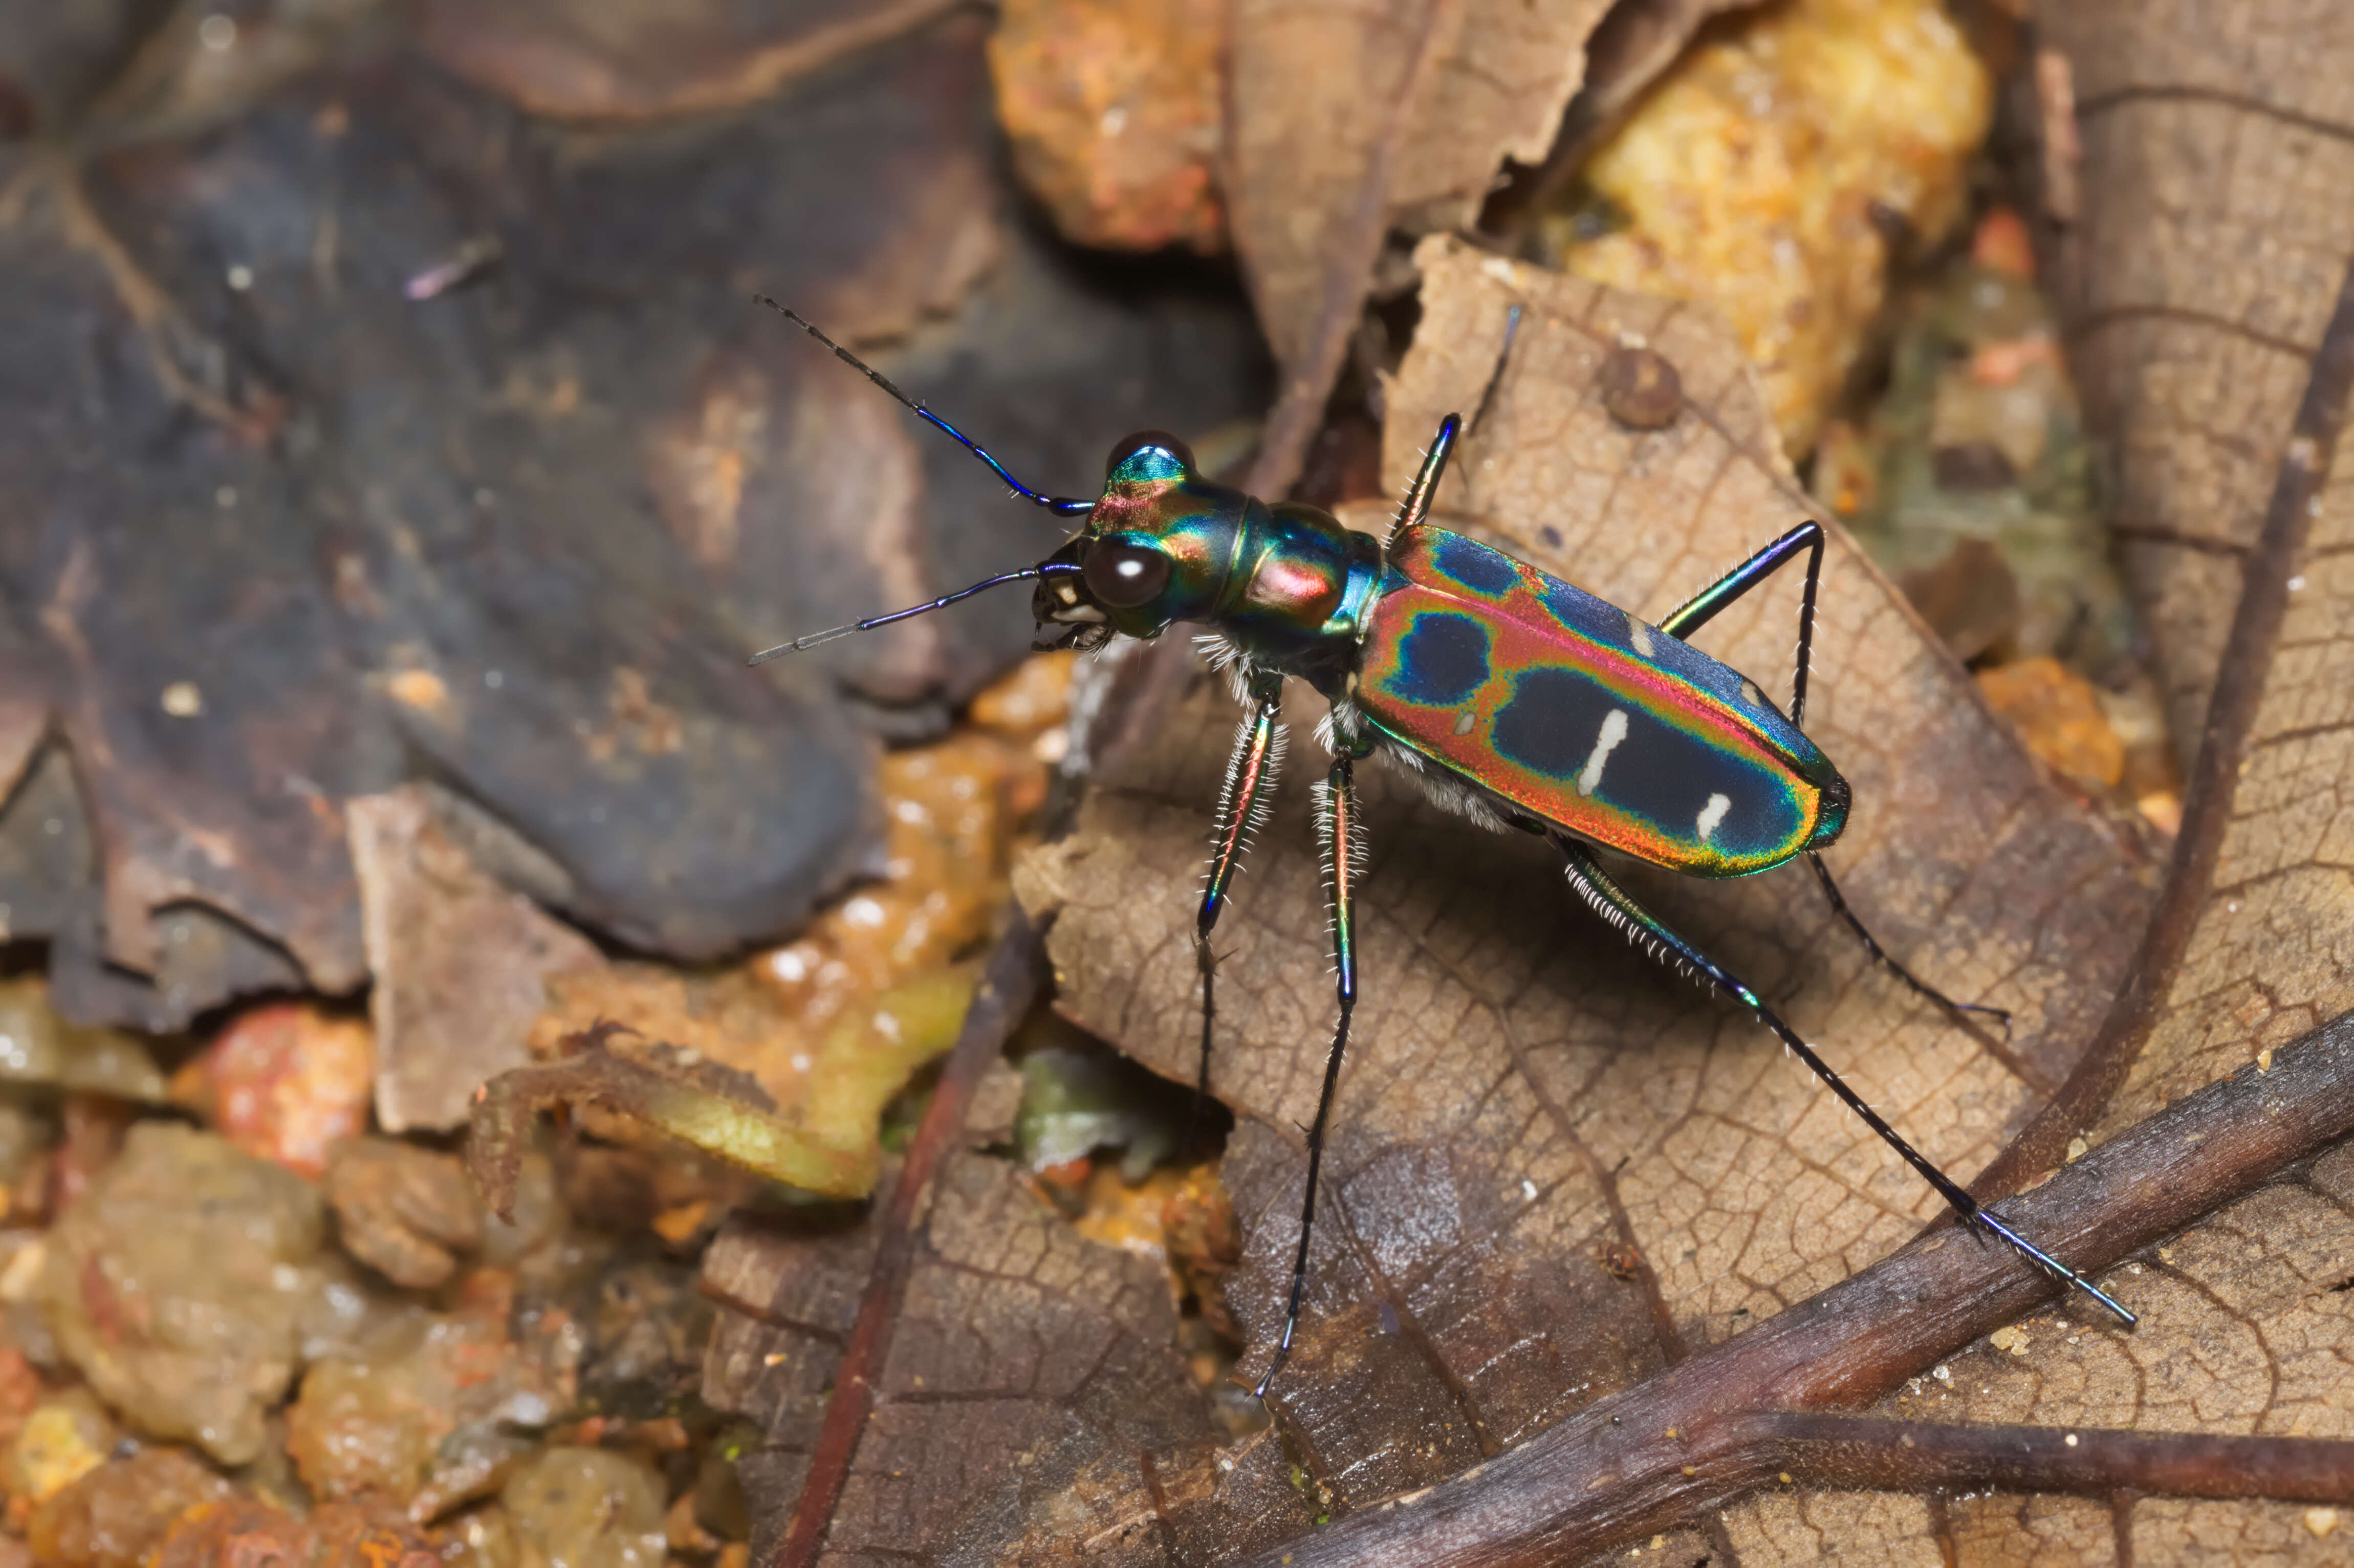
(1346, 121)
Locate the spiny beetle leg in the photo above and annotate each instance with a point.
(1414, 510)
(1702, 607)
(1258, 753)
(1614, 905)
(1337, 807)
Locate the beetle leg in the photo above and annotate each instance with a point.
(1648, 932)
(1344, 855)
(1701, 607)
(1258, 753)
(1880, 954)
(1696, 612)
(1414, 511)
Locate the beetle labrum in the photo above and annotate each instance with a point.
(1506, 694)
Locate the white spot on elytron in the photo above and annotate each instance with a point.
(1749, 694)
(1641, 636)
(1527, 1189)
(1614, 730)
(1464, 721)
(1712, 814)
(862, 912)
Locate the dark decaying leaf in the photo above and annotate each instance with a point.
(1033, 1393)
(281, 535)
(651, 57)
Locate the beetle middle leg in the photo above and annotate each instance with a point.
(1258, 753)
(1698, 610)
(1343, 865)
(1647, 931)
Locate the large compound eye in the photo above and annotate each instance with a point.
(1123, 576)
(1138, 442)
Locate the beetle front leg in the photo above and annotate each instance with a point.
(1242, 807)
(1337, 810)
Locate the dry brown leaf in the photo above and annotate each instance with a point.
(1685, 1182)
(2213, 238)
(1522, 1089)
(2213, 232)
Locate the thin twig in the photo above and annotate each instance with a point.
(1688, 1440)
(1867, 1453)
(2239, 688)
(1016, 972)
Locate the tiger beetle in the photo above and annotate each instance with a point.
(1504, 694)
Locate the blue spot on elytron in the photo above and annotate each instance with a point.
(1442, 660)
(1474, 565)
(1579, 611)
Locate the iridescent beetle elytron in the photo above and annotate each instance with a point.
(1507, 695)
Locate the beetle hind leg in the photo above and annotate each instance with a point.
(1919, 987)
(1648, 932)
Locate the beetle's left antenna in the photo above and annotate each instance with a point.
(799, 645)
(1060, 506)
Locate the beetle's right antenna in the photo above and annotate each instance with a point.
(1060, 506)
(1495, 377)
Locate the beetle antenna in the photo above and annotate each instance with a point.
(1495, 377)
(1060, 506)
(802, 644)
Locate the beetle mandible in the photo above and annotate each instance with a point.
(1505, 694)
